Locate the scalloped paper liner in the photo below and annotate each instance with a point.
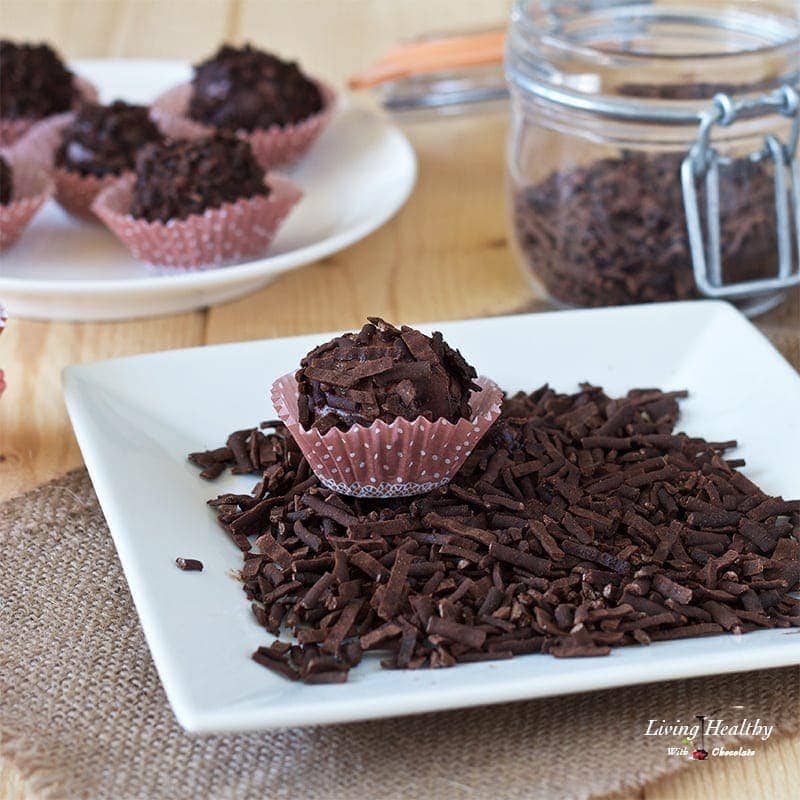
(12, 130)
(76, 193)
(388, 459)
(274, 146)
(233, 232)
(32, 186)
(73, 191)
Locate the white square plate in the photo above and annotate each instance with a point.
(137, 418)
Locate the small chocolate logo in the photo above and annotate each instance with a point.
(700, 753)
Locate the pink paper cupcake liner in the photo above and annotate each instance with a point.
(12, 130)
(76, 193)
(31, 188)
(389, 459)
(43, 138)
(218, 236)
(274, 146)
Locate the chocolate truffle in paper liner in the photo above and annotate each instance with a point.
(25, 186)
(246, 88)
(266, 101)
(386, 411)
(389, 459)
(177, 179)
(35, 84)
(105, 139)
(196, 204)
(96, 146)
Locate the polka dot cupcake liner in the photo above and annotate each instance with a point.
(31, 188)
(389, 459)
(219, 236)
(277, 145)
(12, 130)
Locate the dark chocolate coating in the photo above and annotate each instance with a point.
(383, 372)
(245, 88)
(35, 83)
(6, 182)
(104, 140)
(176, 179)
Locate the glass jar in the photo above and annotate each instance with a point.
(651, 149)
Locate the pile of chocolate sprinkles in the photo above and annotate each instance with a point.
(579, 523)
(614, 231)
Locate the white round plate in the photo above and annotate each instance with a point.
(354, 178)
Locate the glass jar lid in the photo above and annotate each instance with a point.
(655, 61)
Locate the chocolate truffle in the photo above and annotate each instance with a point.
(383, 372)
(245, 88)
(35, 81)
(6, 182)
(176, 179)
(104, 140)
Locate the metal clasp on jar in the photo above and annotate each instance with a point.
(703, 162)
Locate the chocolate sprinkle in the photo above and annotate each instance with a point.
(104, 140)
(549, 540)
(383, 372)
(245, 88)
(176, 179)
(614, 232)
(189, 564)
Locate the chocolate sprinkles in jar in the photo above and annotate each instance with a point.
(653, 150)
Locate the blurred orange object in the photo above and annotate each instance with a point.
(433, 55)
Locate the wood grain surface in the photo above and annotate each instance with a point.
(444, 256)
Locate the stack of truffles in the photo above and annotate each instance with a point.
(184, 184)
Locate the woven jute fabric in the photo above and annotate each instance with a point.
(84, 714)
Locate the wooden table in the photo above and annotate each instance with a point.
(444, 256)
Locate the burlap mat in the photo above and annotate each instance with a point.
(84, 715)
